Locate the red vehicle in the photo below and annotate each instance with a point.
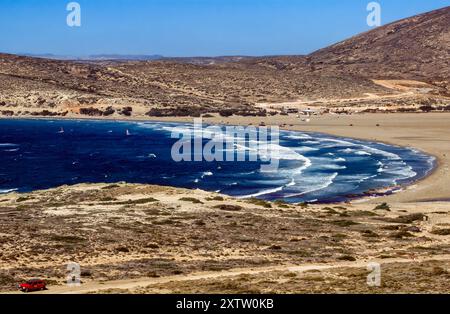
(33, 285)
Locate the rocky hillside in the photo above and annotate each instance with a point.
(169, 87)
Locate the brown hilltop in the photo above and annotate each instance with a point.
(413, 48)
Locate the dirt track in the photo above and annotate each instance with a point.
(95, 287)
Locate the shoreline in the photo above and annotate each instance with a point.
(400, 193)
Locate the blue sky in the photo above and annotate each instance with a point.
(191, 27)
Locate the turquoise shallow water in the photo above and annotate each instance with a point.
(35, 154)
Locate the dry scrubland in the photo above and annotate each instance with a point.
(123, 232)
(397, 277)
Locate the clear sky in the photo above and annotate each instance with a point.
(191, 27)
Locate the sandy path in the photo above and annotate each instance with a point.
(339, 101)
(144, 282)
(404, 88)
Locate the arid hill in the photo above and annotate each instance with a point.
(170, 87)
(416, 48)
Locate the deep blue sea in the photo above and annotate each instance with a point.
(41, 154)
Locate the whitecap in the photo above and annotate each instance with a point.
(305, 149)
(264, 192)
(363, 153)
(6, 191)
(332, 167)
(299, 136)
(324, 182)
(207, 174)
(347, 150)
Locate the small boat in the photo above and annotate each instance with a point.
(61, 131)
(128, 133)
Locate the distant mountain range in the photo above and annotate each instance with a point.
(95, 57)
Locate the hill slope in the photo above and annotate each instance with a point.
(414, 48)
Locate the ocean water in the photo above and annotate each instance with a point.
(36, 154)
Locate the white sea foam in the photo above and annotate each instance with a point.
(363, 153)
(311, 142)
(264, 192)
(359, 178)
(332, 167)
(323, 183)
(6, 191)
(305, 149)
(207, 174)
(362, 148)
(299, 136)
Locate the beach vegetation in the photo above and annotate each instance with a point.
(441, 232)
(71, 239)
(108, 199)
(23, 199)
(215, 198)
(383, 206)
(122, 249)
(138, 202)
(330, 210)
(347, 258)
(229, 208)
(407, 219)
(259, 202)
(191, 199)
(281, 204)
(111, 186)
(344, 223)
(401, 235)
(369, 234)
(339, 237)
(363, 213)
